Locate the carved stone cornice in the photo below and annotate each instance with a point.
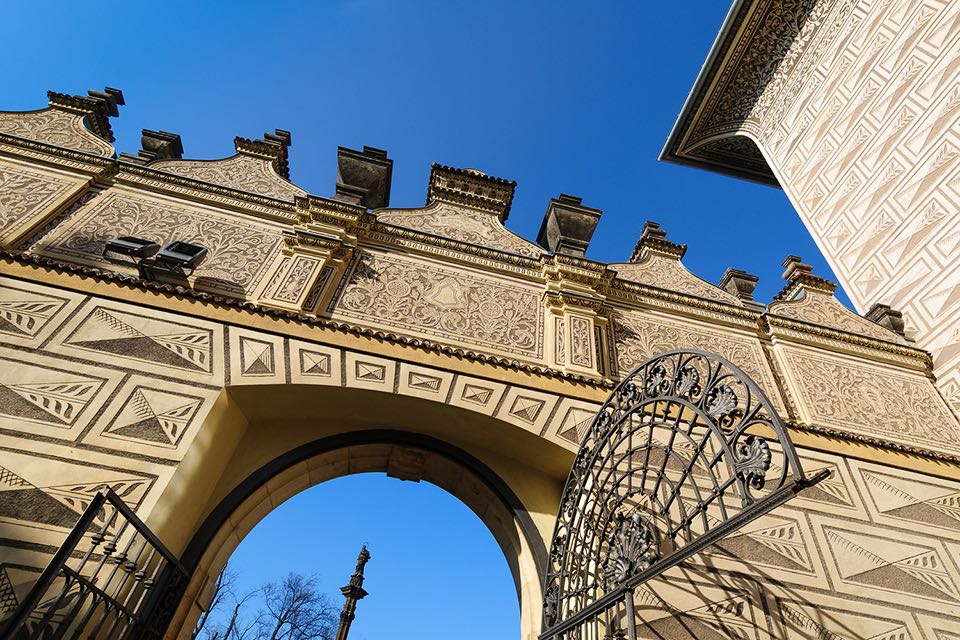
(642, 294)
(496, 255)
(872, 441)
(53, 155)
(329, 245)
(561, 299)
(238, 200)
(800, 276)
(843, 341)
(561, 268)
(272, 147)
(132, 281)
(759, 46)
(472, 188)
(653, 239)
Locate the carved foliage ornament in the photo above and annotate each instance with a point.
(857, 399)
(823, 309)
(239, 251)
(668, 273)
(638, 337)
(463, 223)
(242, 172)
(424, 299)
(56, 127)
(24, 194)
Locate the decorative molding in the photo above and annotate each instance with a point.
(462, 223)
(471, 188)
(240, 251)
(54, 127)
(242, 172)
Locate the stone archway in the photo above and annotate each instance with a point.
(264, 463)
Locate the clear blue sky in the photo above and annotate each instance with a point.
(561, 97)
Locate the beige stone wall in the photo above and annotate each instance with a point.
(868, 152)
(313, 318)
(855, 108)
(129, 396)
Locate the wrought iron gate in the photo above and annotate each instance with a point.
(686, 450)
(110, 580)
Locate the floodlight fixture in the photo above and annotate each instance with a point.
(131, 247)
(178, 259)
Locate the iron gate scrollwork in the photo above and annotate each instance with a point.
(686, 450)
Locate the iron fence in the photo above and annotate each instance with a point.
(107, 581)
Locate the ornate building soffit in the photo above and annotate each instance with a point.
(714, 126)
(259, 166)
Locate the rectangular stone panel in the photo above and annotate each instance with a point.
(240, 248)
(50, 396)
(638, 335)
(441, 303)
(140, 339)
(861, 398)
(28, 195)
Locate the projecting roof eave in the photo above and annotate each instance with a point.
(676, 148)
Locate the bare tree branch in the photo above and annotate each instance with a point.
(222, 587)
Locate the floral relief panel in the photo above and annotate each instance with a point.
(240, 251)
(901, 407)
(462, 223)
(24, 195)
(639, 336)
(440, 302)
(55, 127)
(238, 172)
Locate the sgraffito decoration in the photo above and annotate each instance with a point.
(685, 451)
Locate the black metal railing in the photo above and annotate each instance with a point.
(105, 582)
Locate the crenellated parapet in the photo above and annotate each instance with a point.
(368, 333)
(449, 276)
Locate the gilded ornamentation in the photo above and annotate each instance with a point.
(462, 223)
(239, 251)
(56, 127)
(25, 194)
(823, 309)
(898, 407)
(466, 308)
(668, 273)
(241, 172)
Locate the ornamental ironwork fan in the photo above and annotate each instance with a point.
(686, 450)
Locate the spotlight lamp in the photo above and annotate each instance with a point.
(131, 247)
(177, 259)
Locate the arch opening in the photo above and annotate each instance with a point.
(434, 562)
(398, 454)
